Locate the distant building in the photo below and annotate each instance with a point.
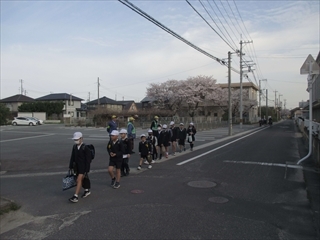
(253, 95)
(15, 101)
(72, 104)
(106, 103)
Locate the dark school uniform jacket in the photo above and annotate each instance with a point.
(116, 148)
(190, 130)
(166, 137)
(144, 148)
(81, 157)
(127, 146)
(153, 142)
(174, 135)
(182, 134)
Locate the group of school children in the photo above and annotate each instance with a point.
(151, 148)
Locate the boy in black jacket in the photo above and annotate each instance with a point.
(182, 135)
(127, 145)
(115, 150)
(80, 161)
(144, 151)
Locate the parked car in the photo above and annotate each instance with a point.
(24, 121)
(39, 121)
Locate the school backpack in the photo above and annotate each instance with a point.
(92, 150)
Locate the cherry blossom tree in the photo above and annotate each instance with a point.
(195, 94)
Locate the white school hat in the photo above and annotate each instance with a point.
(142, 135)
(77, 135)
(150, 131)
(123, 131)
(114, 133)
(171, 123)
(164, 126)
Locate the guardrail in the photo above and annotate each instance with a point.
(315, 126)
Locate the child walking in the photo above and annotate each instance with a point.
(153, 141)
(80, 161)
(144, 151)
(191, 131)
(115, 150)
(182, 135)
(127, 145)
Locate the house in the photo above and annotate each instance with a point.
(15, 101)
(104, 102)
(146, 103)
(129, 107)
(72, 104)
(253, 95)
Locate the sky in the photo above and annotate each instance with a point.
(65, 46)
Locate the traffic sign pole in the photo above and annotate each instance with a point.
(313, 68)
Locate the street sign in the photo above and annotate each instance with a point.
(305, 68)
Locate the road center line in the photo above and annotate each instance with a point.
(215, 149)
(17, 139)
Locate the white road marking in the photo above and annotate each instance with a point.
(215, 149)
(274, 164)
(18, 139)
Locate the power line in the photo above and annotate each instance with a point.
(242, 19)
(224, 18)
(151, 19)
(209, 23)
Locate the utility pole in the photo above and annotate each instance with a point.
(98, 92)
(267, 104)
(284, 105)
(280, 105)
(21, 88)
(275, 104)
(88, 96)
(241, 73)
(229, 94)
(260, 91)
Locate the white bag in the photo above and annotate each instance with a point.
(190, 138)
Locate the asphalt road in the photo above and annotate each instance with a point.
(233, 189)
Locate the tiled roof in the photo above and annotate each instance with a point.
(103, 100)
(58, 96)
(147, 99)
(17, 98)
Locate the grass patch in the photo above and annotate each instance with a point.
(10, 207)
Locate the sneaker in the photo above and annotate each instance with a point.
(173, 154)
(74, 199)
(153, 161)
(86, 194)
(117, 185)
(150, 166)
(139, 168)
(113, 182)
(146, 162)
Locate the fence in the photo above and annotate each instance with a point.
(306, 123)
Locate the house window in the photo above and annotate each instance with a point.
(215, 114)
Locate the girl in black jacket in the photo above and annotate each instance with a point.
(191, 131)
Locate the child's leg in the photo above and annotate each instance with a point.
(110, 170)
(118, 174)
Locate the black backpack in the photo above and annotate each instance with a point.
(92, 150)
